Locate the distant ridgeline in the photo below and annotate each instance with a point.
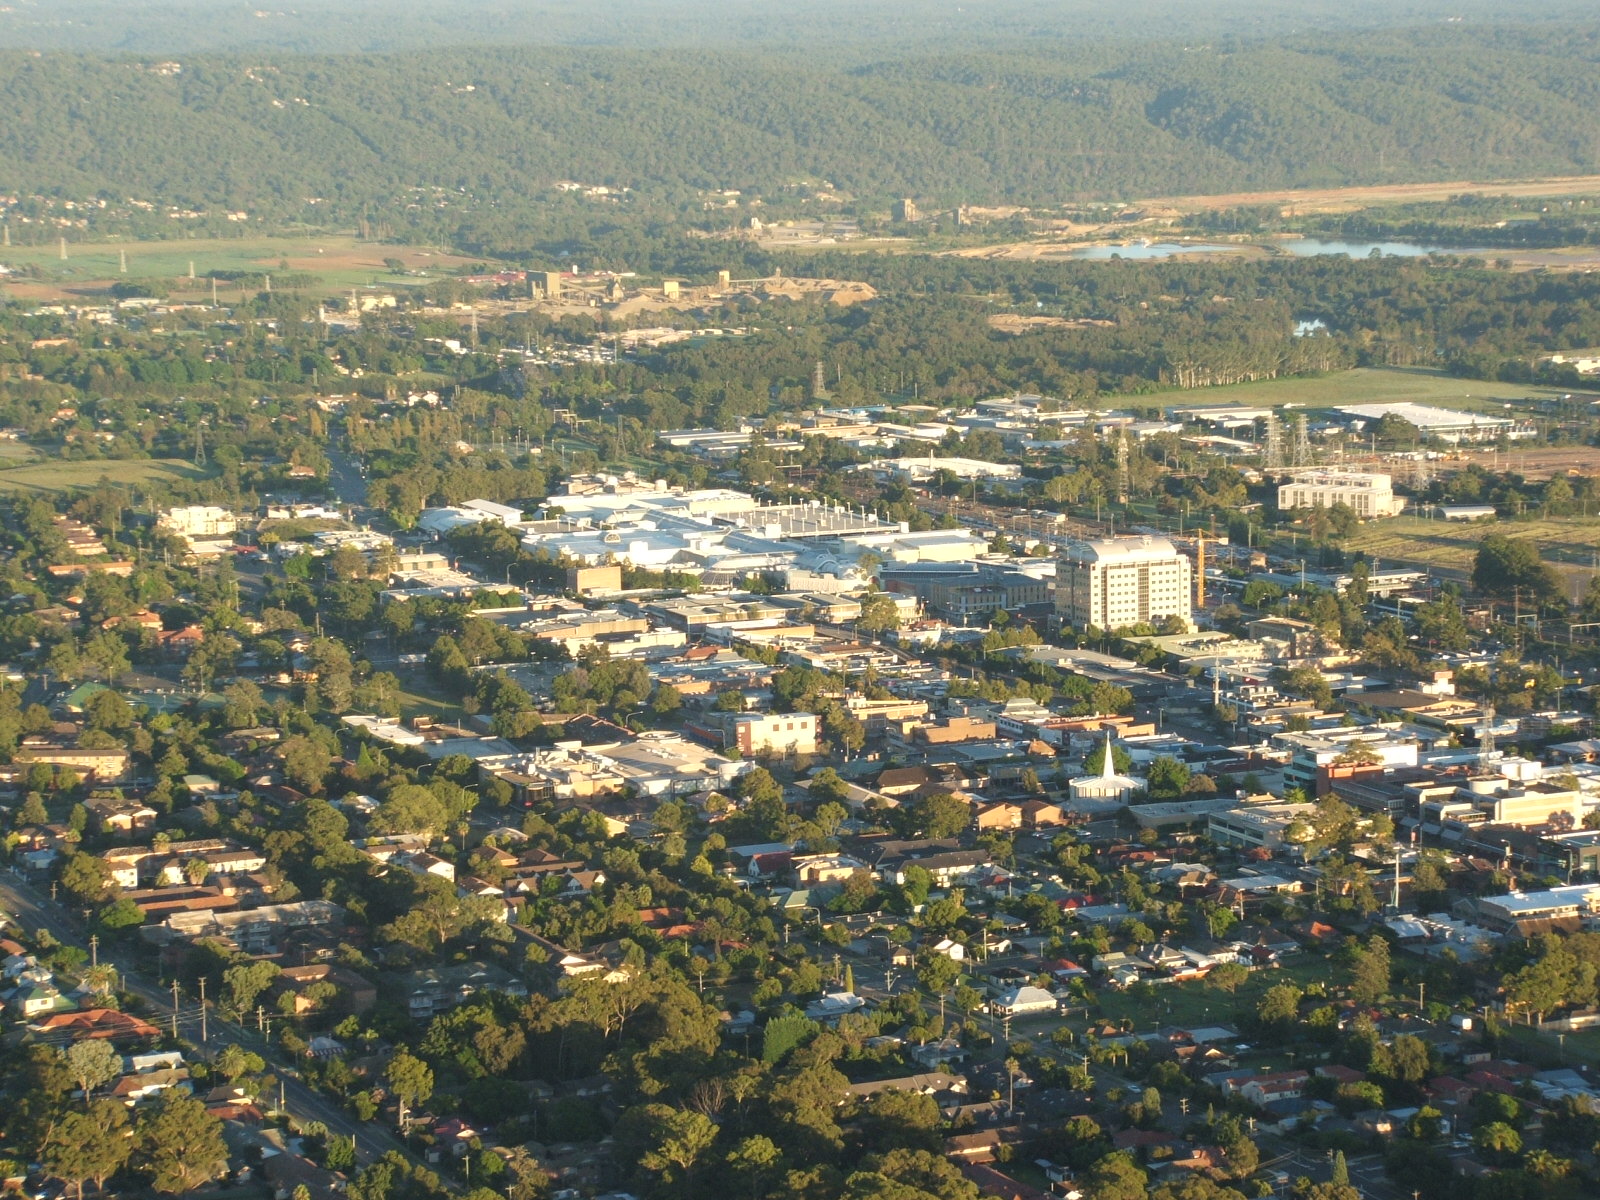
(423, 140)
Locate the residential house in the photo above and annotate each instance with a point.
(34, 1000)
(436, 990)
(993, 1182)
(813, 869)
(1042, 814)
(103, 767)
(288, 1173)
(352, 993)
(1164, 958)
(119, 817)
(107, 1023)
(1003, 815)
(1024, 1000)
(981, 1146)
(131, 1089)
(1273, 1086)
(425, 863)
(830, 1006)
(946, 868)
(930, 1083)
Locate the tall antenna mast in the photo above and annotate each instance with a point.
(122, 262)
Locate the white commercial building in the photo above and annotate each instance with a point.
(1366, 493)
(1256, 825)
(1113, 583)
(198, 520)
(780, 733)
(1446, 424)
(921, 469)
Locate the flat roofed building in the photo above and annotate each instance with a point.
(1504, 912)
(1113, 583)
(1366, 493)
(1257, 825)
(1446, 424)
(779, 733)
(198, 520)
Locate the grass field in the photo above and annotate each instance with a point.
(1545, 1049)
(44, 478)
(340, 262)
(1198, 1004)
(1367, 385)
(1571, 544)
(416, 698)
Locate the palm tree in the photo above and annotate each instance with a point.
(101, 979)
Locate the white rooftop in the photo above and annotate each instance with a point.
(1424, 416)
(1144, 548)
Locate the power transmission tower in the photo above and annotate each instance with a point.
(1486, 752)
(199, 446)
(1272, 458)
(818, 382)
(1302, 442)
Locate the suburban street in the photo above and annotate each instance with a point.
(32, 910)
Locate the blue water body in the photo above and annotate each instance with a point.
(1300, 247)
(1306, 247)
(1147, 250)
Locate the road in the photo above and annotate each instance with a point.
(346, 480)
(32, 911)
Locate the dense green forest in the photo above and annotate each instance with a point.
(425, 141)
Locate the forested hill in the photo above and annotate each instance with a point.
(1102, 120)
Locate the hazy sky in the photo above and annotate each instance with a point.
(174, 26)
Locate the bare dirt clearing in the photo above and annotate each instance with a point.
(1345, 199)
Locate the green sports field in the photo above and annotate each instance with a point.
(48, 478)
(1365, 385)
(338, 261)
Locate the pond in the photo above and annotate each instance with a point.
(1299, 247)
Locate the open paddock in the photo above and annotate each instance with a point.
(53, 478)
(339, 262)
